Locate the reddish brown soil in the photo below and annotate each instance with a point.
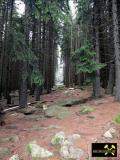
(90, 129)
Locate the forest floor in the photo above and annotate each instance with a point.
(91, 126)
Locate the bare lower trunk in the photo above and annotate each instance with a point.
(37, 93)
(67, 70)
(96, 85)
(117, 48)
(111, 79)
(23, 86)
(97, 89)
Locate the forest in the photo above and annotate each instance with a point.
(59, 59)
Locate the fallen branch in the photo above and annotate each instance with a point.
(16, 107)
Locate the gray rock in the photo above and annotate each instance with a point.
(38, 128)
(4, 152)
(28, 110)
(15, 157)
(12, 126)
(112, 130)
(38, 152)
(59, 138)
(86, 109)
(57, 111)
(73, 137)
(69, 152)
(68, 102)
(34, 117)
(100, 101)
(12, 139)
(108, 134)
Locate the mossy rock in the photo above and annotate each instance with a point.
(35, 117)
(86, 109)
(68, 102)
(117, 119)
(4, 152)
(57, 111)
(12, 139)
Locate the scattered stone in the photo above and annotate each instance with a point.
(110, 133)
(35, 117)
(107, 134)
(45, 107)
(73, 137)
(39, 104)
(12, 126)
(112, 130)
(68, 102)
(12, 139)
(69, 152)
(38, 152)
(71, 88)
(59, 138)
(15, 157)
(64, 152)
(66, 92)
(4, 152)
(67, 142)
(54, 127)
(91, 117)
(100, 101)
(54, 88)
(38, 128)
(86, 109)
(28, 110)
(57, 112)
(60, 87)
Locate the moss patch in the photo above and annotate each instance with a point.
(86, 109)
(57, 111)
(117, 119)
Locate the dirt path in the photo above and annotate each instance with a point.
(90, 126)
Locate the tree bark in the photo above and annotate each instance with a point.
(116, 48)
(24, 63)
(96, 82)
(111, 79)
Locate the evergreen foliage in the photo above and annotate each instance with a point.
(17, 47)
(83, 57)
(37, 78)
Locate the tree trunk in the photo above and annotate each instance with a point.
(116, 48)
(23, 86)
(67, 70)
(50, 52)
(24, 66)
(96, 85)
(111, 79)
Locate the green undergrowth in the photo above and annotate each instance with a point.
(86, 109)
(117, 119)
